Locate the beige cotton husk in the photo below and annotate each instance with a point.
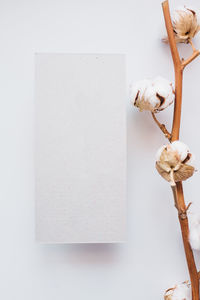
(186, 24)
(174, 162)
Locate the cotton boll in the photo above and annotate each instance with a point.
(184, 153)
(159, 152)
(185, 24)
(161, 93)
(181, 148)
(153, 95)
(179, 292)
(164, 86)
(164, 91)
(178, 149)
(137, 89)
(191, 161)
(172, 162)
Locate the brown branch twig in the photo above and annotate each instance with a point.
(192, 57)
(162, 127)
(193, 47)
(179, 66)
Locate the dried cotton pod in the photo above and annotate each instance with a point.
(174, 162)
(186, 24)
(153, 95)
(179, 292)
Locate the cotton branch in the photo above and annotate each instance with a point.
(179, 66)
(192, 57)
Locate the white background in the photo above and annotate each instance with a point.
(152, 260)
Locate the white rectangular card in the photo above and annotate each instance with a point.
(80, 155)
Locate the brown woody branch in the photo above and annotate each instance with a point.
(179, 66)
(192, 57)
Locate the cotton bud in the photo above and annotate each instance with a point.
(186, 24)
(179, 292)
(153, 95)
(174, 162)
(194, 234)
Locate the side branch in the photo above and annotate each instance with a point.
(190, 59)
(162, 127)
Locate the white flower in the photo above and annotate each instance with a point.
(179, 292)
(194, 233)
(174, 162)
(153, 95)
(186, 24)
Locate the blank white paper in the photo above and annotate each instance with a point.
(80, 153)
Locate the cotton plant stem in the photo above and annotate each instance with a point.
(193, 47)
(194, 278)
(178, 69)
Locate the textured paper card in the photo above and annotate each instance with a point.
(80, 148)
